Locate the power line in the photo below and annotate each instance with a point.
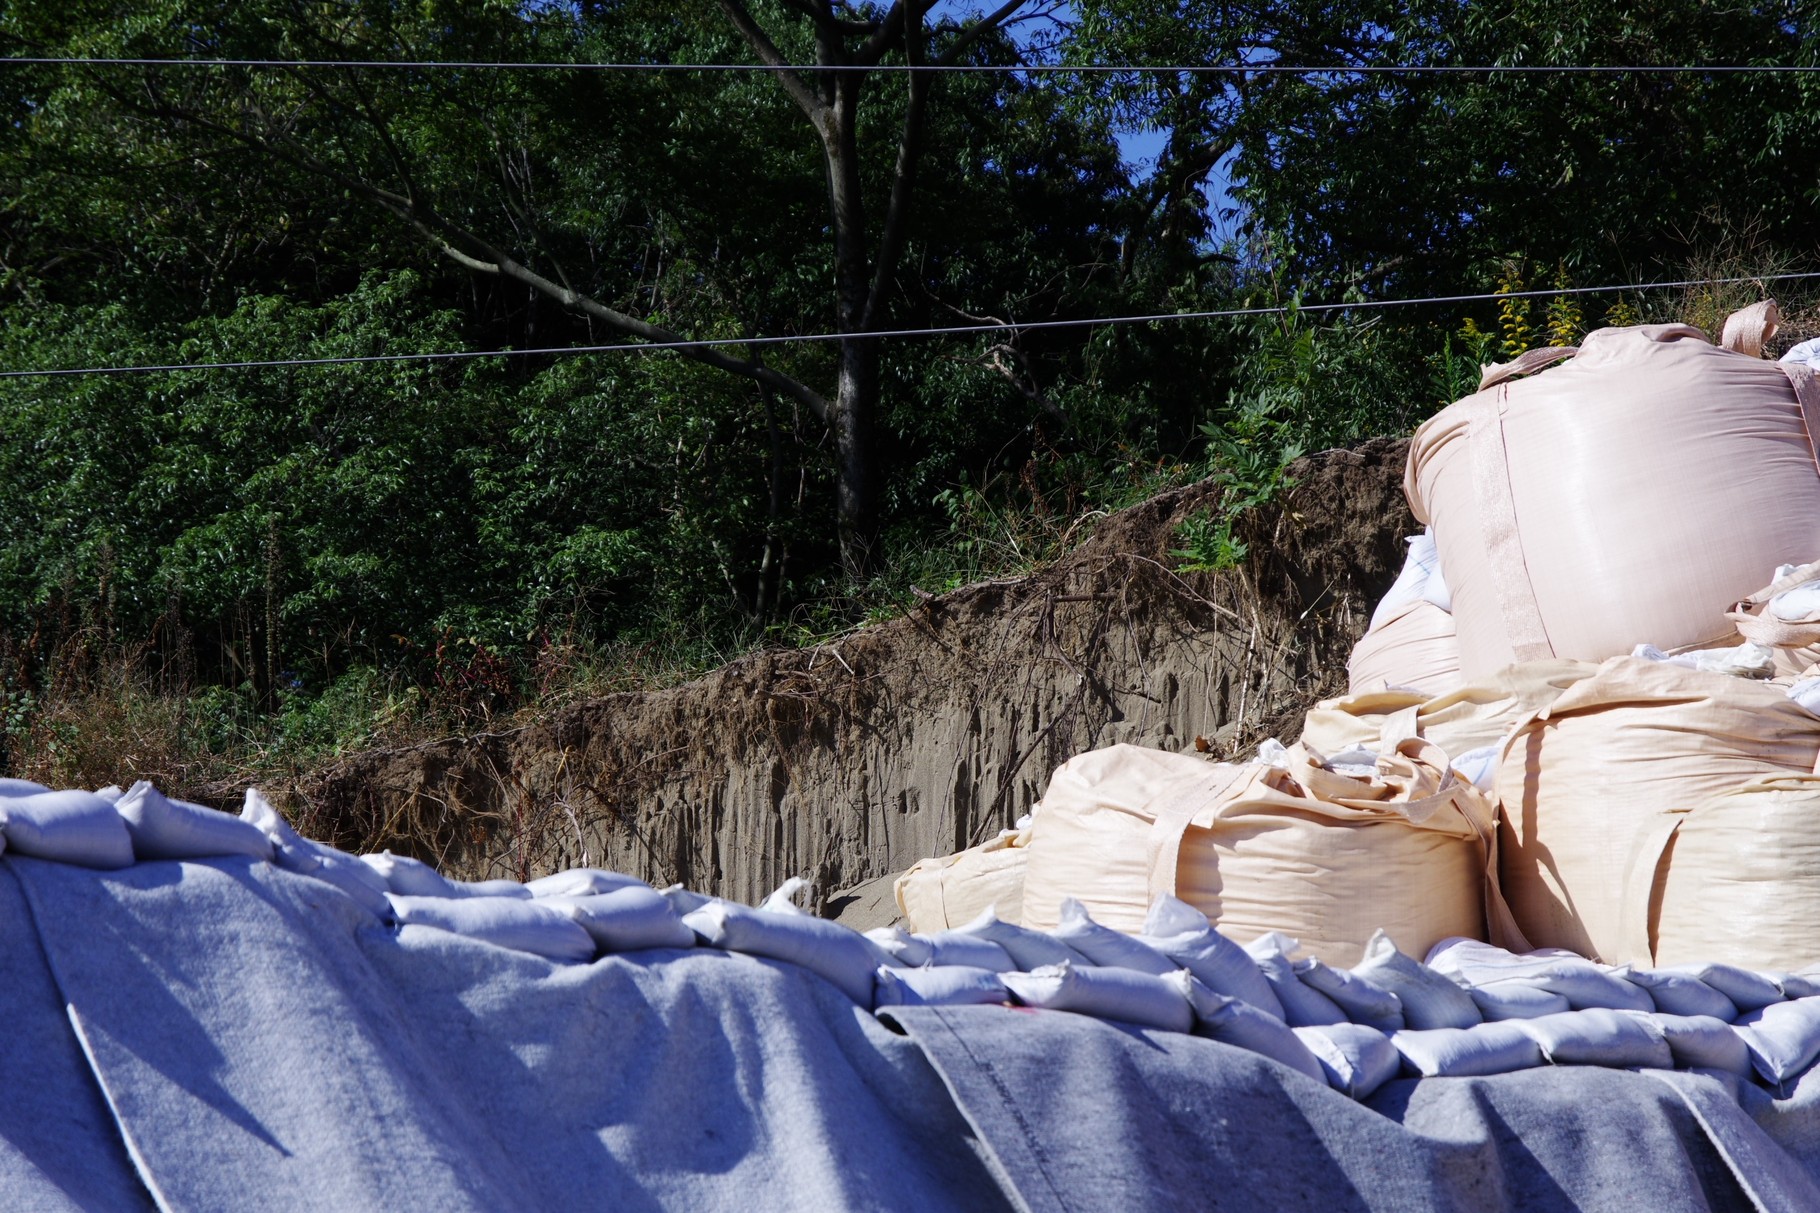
(1235, 69)
(879, 334)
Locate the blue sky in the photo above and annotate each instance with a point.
(1139, 148)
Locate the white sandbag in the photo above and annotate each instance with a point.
(1104, 946)
(508, 922)
(1303, 1006)
(1430, 1000)
(1748, 991)
(582, 882)
(162, 828)
(1805, 693)
(840, 954)
(1420, 563)
(70, 827)
(946, 892)
(1411, 636)
(1683, 994)
(949, 986)
(1599, 504)
(1795, 985)
(782, 899)
(625, 919)
(1470, 962)
(1357, 999)
(1183, 934)
(687, 901)
(1702, 1042)
(1737, 876)
(409, 877)
(111, 793)
(1486, 1048)
(953, 947)
(906, 950)
(1806, 352)
(1233, 1021)
(10, 788)
(1600, 1037)
(491, 888)
(1478, 767)
(290, 850)
(1110, 993)
(359, 881)
(1591, 787)
(1356, 1060)
(1414, 649)
(304, 856)
(1516, 998)
(1028, 949)
(1405, 848)
(1735, 661)
(1783, 1038)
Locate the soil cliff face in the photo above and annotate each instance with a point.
(915, 737)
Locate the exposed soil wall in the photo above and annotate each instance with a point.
(914, 737)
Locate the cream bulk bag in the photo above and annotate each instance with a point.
(936, 894)
(1628, 496)
(1612, 757)
(1416, 648)
(1736, 880)
(1464, 719)
(1325, 857)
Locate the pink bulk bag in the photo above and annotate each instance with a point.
(1630, 495)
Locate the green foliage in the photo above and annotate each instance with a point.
(302, 559)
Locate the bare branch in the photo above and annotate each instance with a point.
(823, 15)
(448, 238)
(1021, 377)
(768, 54)
(889, 31)
(985, 25)
(903, 182)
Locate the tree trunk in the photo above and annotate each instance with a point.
(856, 398)
(854, 405)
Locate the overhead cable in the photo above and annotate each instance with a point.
(1086, 69)
(958, 330)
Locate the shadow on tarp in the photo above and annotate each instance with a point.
(59, 1145)
(272, 1046)
(1073, 1106)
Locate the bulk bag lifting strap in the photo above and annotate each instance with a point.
(1414, 787)
(1467, 718)
(1756, 625)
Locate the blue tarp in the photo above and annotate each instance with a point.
(224, 1035)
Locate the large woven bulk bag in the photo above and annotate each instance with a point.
(1630, 495)
(1415, 648)
(1325, 857)
(1463, 719)
(1617, 753)
(1736, 880)
(936, 894)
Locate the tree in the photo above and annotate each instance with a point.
(349, 131)
(1412, 184)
